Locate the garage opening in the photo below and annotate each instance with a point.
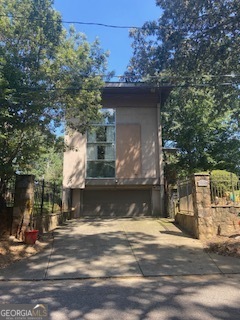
(116, 203)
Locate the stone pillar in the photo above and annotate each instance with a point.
(23, 204)
(202, 205)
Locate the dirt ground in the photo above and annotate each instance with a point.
(12, 250)
(226, 245)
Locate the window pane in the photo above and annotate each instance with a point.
(110, 152)
(91, 136)
(111, 134)
(108, 116)
(101, 134)
(92, 152)
(104, 169)
(101, 152)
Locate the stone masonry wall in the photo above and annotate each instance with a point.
(51, 221)
(208, 220)
(212, 220)
(225, 220)
(187, 223)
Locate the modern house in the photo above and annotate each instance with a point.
(117, 168)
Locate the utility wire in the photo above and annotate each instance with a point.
(162, 82)
(161, 79)
(100, 24)
(168, 85)
(74, 22)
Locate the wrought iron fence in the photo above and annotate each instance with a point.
(9, 193)
(47, 198)
(225, 192)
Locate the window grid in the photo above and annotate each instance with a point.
(101, 148)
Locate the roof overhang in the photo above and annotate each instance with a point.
(137, 88)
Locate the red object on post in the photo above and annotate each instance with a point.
(31, 236)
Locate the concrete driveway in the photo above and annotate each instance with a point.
(107, 248)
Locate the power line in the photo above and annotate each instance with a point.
(97, 23)
(102, 25)
(52, 90)
(75, 22)
(159, 77)
(160, 81)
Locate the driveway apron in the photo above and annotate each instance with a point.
(101, 248)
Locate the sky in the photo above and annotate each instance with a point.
(114, 12)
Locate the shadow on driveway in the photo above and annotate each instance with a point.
(120, 248)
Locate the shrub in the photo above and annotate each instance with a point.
(223, 181)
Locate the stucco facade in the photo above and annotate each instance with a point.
(137, 185)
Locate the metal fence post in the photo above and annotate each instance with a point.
(233, 189)
(54, 190)
(42, 198)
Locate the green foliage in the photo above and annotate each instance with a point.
(221, 175)
(206, 139)
(49, 165)
(224, 181)
(191, 38)
(194, 48)
(47, 197)
(78, 68)
(47, 75)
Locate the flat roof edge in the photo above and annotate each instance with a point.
(132, 85)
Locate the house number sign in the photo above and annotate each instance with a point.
(202, 183)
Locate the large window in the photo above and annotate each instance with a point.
(101, 151)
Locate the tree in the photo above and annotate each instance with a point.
(46, 74)
(194, 48)
(199, 37)
(49, 165)
(206, 140)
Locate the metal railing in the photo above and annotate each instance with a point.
(47, 198)
(9, 193)
(225, 192)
